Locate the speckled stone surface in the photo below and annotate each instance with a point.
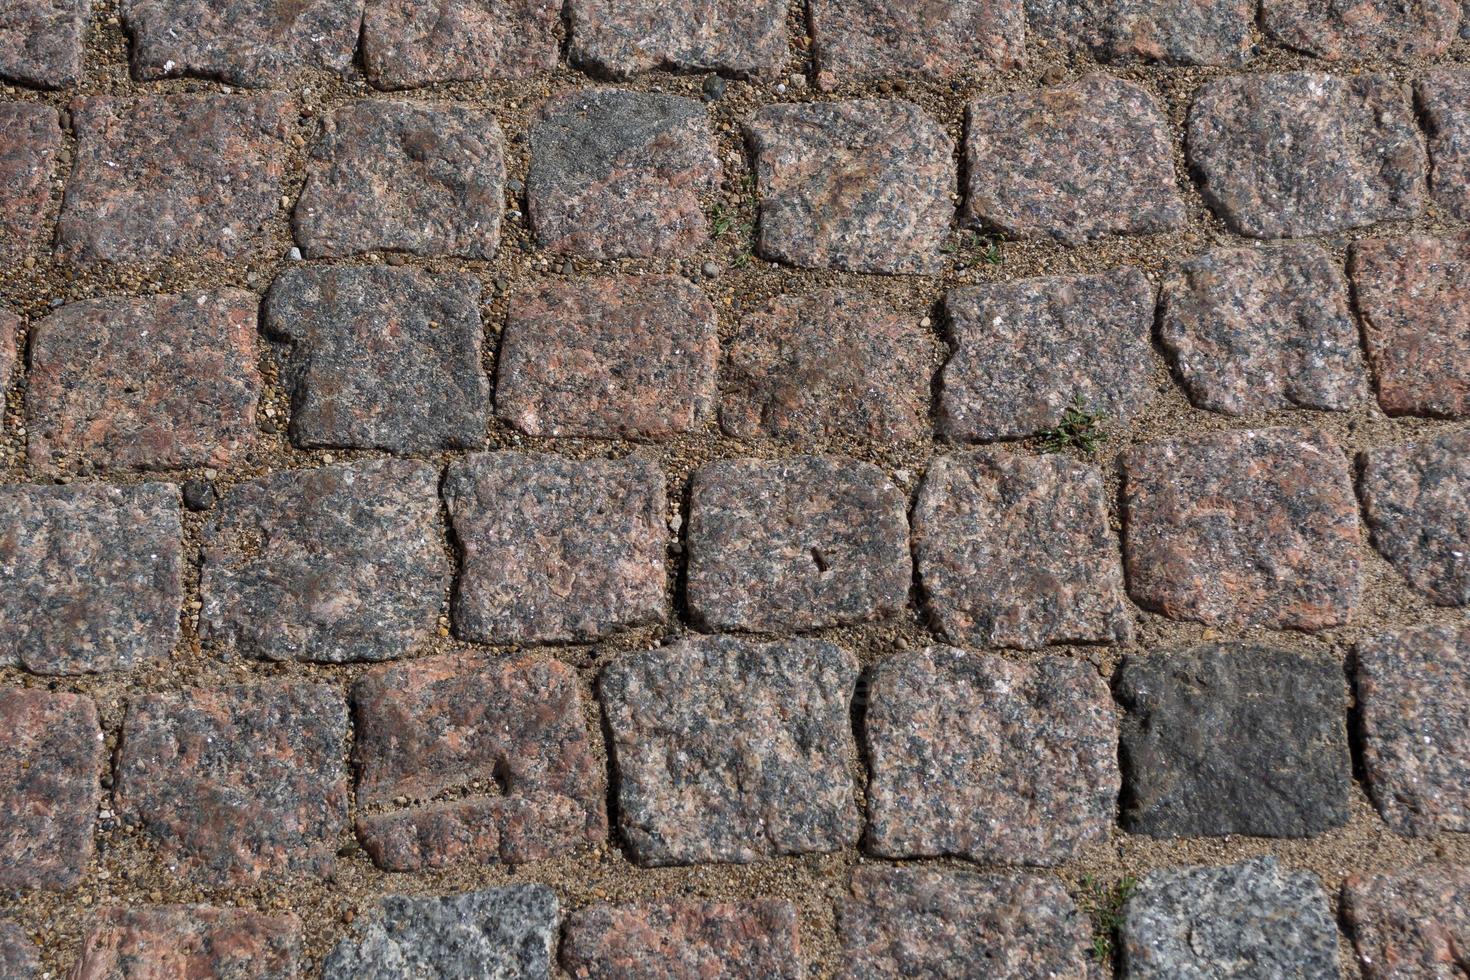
(859, 186)
(51, 758)
(333, 565)
(30, 138)
(618, 173)
(160, 382)
(1416, 499)
(1296, 154)
(794, 544)
(1243, 528)
(913, 921)
(731, 750)
(620, 38)
(1410, 924)
(1074, 162)
(1414, 297)
(1360, 30)
(113, 602)
(381, 358)
(41, 41)
(684, 940)
(556, 550)
(10, 335)
(1233, 738)
(19, 958)
(496, 933)
(411, 43)
(856, 41)
(1246, 920)
(625, 357)
(1261, 329)
(146, 942)
(1016, 551)
(416, 177)
(1443, 99)
(1171, 32)
(1414, 701)
(162, 178)
(995, 760)
(494, 759)
(1023, 353)
(237, 785)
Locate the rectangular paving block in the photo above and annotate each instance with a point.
(620, 38)
(1443, 99)
(1171, 32)
(412, 43)
(30, 139)
(1391, 30)
(856, 41)
(1411, 923)
(189, 941)
(1416, 500)
(684, 940)
(41, 41)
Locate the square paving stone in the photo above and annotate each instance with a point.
(1260, 329)
(1246, 920)
(1071, 163)
(91, 576)
(1232, 738)
(1016, 551)
(620, 38)
(173, 177)
(995, 760)
(684, 940)
(1172, 32)
(1410, 924)
(1025, 353)
(19, 958)
(1243, 529)
(1414, 702)
(332, 565)
(51, 760)
(240, 784)
(411, 43)
(828, 365)
(626, 357)
(731, 750)
(855, 41)
(159, 382)
(494, 759)
(617, 174)
(1442, 97)
(381, 358)
(422, 178)
(189, 941)
(1361, 30)
(1288, 155)
(860, 186)
(1414, 296)
(41, 41)
(1416, 499)
(30, 138)
(795, 544)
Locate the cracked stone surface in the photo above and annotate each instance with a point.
(856, 41)
(412, 43)
(1443, 98)
(19, 958)
(621, 38)
(30, 139)
(189, 941)
(41, 41)
(1415, 501)
(1171, 32)
(683, 940)
(1413, 923)
(1393, 30)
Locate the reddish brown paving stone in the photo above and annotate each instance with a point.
(1442, 97)
(1015, 551)
(1171, 32)
(147, 942)
(30, 137)
(556, 550)
(1254, 528)
(495, 756)
(1289, 155)
(857, 41)
(1072, 163)
(411, 43)
(860, 186)
(237, 785)
(1410, 924)
(41, 41)
(1416, 498)
(683, 940)
(19, 958)
(10, 332)
(620, 38)
(608, 358)
(995, 760)
(1024, 353)
(51, 758)
(619, 174)
(1360, 30)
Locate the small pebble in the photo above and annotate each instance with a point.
(294, 255)
(714, 88)
(199, 495)
(711, 269)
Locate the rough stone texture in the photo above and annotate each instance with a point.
(10, 331)
(857, 41)
(189, 941)
(240, 784)
(41, 41)
(990, 759)
(1281, 156)
(90, 576)
(1072, 163)
(336, 564)
(19, 958)
(1442, 97)
(494, 756)
(1416, 498)
(410, 43)
(859, 186)
(422, 178)
(912, 921)
(158, 382)
(1246, 920)
(1025, 352)
(684, 940)
(1259, 329)
(1016, 551)
(731, 750)
(608, 358)
(1231, 738)
(1413, 296)
(556, 550)
(831, 364)
(795, 544)
(617, 174)
(1411, 924)
(1359, 30)
(1172, 32)
(154, 179)
(1414, 702)
(381, 358)
(620, 38)
(1243, 528)
(51, 757)
(496, 933)
(30, 137)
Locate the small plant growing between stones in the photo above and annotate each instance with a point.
(1103, 903)
(971, 249)
(724, 219)
(1081, 429)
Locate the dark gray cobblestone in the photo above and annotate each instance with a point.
(30, 139)
(1416, 498)
(1410, 924)
(189, 941)
(683, 940)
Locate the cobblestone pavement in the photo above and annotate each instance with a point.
(735, 488)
